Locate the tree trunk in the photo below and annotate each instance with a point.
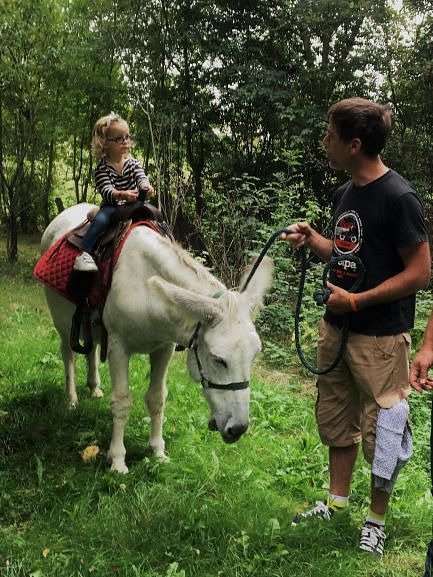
(59, 204)
(12, 238)
(48, 184)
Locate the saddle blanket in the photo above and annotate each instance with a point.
(55, 266)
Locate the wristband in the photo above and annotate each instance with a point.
(352, 302)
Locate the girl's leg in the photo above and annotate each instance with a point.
(97, 227)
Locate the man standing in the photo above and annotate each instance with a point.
(421, 381)
(379, 233)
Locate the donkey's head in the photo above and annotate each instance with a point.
(223, 348)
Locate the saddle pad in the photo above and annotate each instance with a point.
(55, 265)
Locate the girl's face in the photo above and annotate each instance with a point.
(117, 139)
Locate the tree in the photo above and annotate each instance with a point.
(27, 111)
(409, 84)
(92, 80)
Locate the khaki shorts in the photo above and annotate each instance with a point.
(373, 373)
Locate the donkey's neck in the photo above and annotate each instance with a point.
(177, 266)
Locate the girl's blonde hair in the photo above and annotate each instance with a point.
(99, 133)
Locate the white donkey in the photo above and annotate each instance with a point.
(159, 296)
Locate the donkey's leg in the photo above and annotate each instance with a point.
(155, 397)
(121, 401)
(68, 357)
(93, 378)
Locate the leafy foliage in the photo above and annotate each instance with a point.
(214, 510)
(219, 95)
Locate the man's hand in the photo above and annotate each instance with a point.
(418, 376)
(338, 301)
(304, 235)
(301, 233)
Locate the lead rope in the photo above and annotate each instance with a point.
(320, 296)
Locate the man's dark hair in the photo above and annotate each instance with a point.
(363, 119)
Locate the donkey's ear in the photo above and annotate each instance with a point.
(260, 282)
(196, 306)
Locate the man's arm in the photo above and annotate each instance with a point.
(414, 277)
(418, 377)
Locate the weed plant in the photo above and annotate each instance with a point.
(213, 510)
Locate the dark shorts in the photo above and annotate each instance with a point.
(373, 373)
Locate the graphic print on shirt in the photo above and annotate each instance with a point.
(347, 242)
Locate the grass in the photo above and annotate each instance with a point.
(214, 510)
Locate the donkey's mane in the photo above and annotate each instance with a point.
(201, 271)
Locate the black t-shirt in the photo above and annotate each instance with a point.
(370, 223)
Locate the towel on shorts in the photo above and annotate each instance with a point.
(393, 447)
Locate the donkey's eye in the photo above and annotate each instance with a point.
(220, 361)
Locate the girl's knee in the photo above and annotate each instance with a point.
(102, 219)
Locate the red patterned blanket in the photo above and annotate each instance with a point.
(55, 266)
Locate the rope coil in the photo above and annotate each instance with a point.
(320, 296)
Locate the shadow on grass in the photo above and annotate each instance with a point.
(40, 444)
(41, 424)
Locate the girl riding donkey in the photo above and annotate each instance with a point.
(119, 179)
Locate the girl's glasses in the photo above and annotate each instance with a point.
(120, 139)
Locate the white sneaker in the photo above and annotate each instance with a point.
(372, 539)
(85, 263)
(320, 511)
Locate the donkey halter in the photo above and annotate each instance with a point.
(206, 383)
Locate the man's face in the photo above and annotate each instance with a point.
(337, 151)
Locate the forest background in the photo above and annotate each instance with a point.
(227, 102)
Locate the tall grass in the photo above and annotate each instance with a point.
(214, 510)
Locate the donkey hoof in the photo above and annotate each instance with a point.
(117, 463)
(119, 467)
(97, 393)
(162, 457)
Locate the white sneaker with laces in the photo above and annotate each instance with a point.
(372, 539)
(85, 263)
(321, 512)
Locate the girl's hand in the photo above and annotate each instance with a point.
(148, 190)
(127, 195)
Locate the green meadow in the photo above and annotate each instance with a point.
(213, 510)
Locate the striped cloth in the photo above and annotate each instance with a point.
(107, 179)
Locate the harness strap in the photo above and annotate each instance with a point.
(104, 290)
(230, 387)
(161, 228)
(206, 384)
(81, 320)
(320, 296)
